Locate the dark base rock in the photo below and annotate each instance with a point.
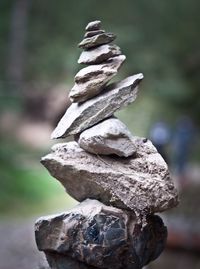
(57, 261)
(99, 236)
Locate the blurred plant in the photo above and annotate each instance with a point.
(24, 185)
(160, 38)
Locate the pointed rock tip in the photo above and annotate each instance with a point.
(54, 135)
(121, 56)
(130, 80)
(139, 76)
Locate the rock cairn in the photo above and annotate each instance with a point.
(119, 179)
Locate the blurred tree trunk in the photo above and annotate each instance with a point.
(17, 42)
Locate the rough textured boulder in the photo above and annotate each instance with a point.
(79, 117)
(99, 236)
(91, 80)
(140, 183)
(99, 54)
(110, 136)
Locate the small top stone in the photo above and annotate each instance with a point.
(93, 25)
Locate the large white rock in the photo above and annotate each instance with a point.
(110, 136)
(141, 183)
(79, 117)
(99, 54)
(91, 80)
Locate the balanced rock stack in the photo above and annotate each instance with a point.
(119, 179)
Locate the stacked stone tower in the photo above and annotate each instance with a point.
(119, 179)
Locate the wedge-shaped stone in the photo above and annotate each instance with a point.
(140, 183)
(91, 232)
(91, 80)
(110, 136)
(79, 117)
(99, 54)
(96, 40)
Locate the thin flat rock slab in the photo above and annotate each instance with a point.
(99, 236)
(90, 72)
(96, 40)
(99, 54)
(79, 117)
(110, 136)
(140, 183)
(92, 79)
(93, 33)
(93, 26)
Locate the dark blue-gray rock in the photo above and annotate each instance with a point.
(96, 235)
(93, 26)
(99, 54)
(59, 261)
(108, 137)
(79, 117)
(140, 183)
(91, 80)
(96, 40)
(92, 33)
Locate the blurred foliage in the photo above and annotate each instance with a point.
(160, 38)
(24, 185)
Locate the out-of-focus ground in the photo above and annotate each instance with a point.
(18, 248)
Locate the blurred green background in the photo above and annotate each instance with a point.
(38, 52)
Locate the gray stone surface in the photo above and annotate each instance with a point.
(96, 40)
(100, 236)
(91, 72)
(93, 25)
(110, 136)
(92, 79)
(79, 117)
(140, 183)
(99, 54)
(92, 33)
